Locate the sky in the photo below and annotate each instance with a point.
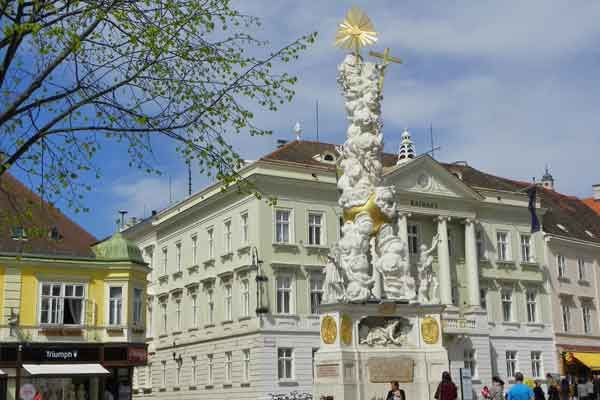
(507, 86)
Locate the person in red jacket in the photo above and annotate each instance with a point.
(446, 390)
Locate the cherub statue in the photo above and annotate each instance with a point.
(428, 282)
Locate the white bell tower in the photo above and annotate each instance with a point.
(407, 148)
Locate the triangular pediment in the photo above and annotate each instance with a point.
(427, 176)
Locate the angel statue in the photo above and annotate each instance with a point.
(428, 282)
(333, 286)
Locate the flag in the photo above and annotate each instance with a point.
(535, 222)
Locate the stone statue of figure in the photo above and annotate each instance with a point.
(428, 282)
(354, 260)
(333, 286)
(392, 333)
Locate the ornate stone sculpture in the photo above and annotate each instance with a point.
(388, 332)
(428, 282)
(333, 286)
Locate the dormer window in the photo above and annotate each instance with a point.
(327, 157)
(18, 233)
(54, 234)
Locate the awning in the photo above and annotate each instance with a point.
(65, 369)
(590, 360)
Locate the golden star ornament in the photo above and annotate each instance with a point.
(355, 31)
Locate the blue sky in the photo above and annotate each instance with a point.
(508, 87)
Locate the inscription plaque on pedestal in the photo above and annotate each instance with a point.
(328, 371)
(385, 370)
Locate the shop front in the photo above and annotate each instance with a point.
(69, 371)
(580, 363)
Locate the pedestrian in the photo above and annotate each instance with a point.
(553, 393)
(395, 393)
(596, 387)
(538, 392)
(446, 389)
(564, 389)
(497, 390)
(520, 391)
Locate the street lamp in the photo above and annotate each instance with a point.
(262, 306)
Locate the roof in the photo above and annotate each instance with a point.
(21, 207)
(593, 204)
(117, 248)
(570, 212)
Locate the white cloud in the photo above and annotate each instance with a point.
(141, 195)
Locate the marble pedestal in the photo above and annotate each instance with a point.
(347, 367)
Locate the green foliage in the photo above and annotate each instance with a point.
(77, 74)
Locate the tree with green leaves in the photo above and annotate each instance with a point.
(79, 74)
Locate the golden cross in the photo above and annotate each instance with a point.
(386, 60)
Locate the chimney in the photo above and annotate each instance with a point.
(281, 143)
(596, 192)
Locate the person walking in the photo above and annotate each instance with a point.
(538, 392)
(395, 393)
(520, 391)
(553, 393)
(497, 390)
(446, 389)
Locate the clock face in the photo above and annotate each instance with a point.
(423, 180)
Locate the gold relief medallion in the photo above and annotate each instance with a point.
(328, 330)
(346, 330)
(430, 330)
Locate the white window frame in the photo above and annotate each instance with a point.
(290, 292)
(537, 365)
(480, 244)
(314, 226)
(138, 306)
(195, 310)
(178, 255)
(228, 366)
(163, 380)
(164, 308)
(470, 361)
(245, 289)
(285, 363)
(315, 291)
(60, 301)
(581, 269)
(511, 363)
(194, 239)
(210, 369)
(289, 222)
(227, 236)
(245, 365)
(503, 250)
(165, 260)
(586, 315)
(194, 379)
(120, 305)
(527, 248)
(561, 264)
(532, 306)
(245, 227)
(413, 237)
(210, 241)
(210, 302)
(566, 315)
(507, 300)
(228, 301)
(178, 313)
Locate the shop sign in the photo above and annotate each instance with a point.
(137, 355)
(60, 354)
(27, 391)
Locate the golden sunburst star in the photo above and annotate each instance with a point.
(355, 31)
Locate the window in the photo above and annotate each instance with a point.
(507, 305)
(562, 265)
(194, 370)
(581, 269)
(163, 373)
(531, 305)
(314, 361)
(227, 233)
(245, 298)
(178, 314)
(450, 244)
(315, 229)
(138, 304)
(503, 246)
(211, 307)
(178, 255)
(62, 304)
(228, 366)
(285, 363)
(18, 233)
(165, 257)
(245, 236)
(115, 305)
(195, 249)
(566, 315)
(316, 293)
(149, 375)
(211, 243)
(526, 253)
(284, 294)
(455, 295)
(178, 365)
(228, 313)
(149, 251)
(413, 238)
(246, 365)
(536, 364)
(470, 361)
(163, 307)
(587, 318)
(209, 369)
(282, 226)
(194, 310)
(480, 243)
(511, 363)
(55, 234)
(149, 326)
(483, 298)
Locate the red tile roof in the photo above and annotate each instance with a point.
(570, 212)
(593, 204)
(19, 206)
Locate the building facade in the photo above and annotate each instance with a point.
(73, 320)
(224, 323)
